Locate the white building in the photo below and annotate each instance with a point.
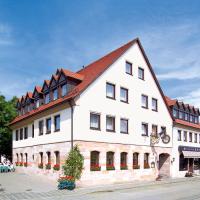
(110, 109)
(186, 138)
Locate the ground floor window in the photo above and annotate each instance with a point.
(196, 163)
(21, 158)
(123, 161)
(26, 158)
(17, 155)
(183, 163)
(110, 161)
(136, 161)
(146, 161)
(94, 161)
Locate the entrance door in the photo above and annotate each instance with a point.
(191, 163)
(164, 165)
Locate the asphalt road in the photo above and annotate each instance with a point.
(15, 186)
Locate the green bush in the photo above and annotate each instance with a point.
(74, 164)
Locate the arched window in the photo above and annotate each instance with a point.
(110, 160)
(17, 156)
(41, 157)
(146, 160)
(94, 161)
(21, 157)
(48, 157)
(26, 158)
(136, 160)
(123, 161)
(57, 155)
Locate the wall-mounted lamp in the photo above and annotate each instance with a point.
(173, 159)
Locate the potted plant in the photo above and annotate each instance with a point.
(25, 164)
(72, 169)
(66, 182)
(110, 167)
(95, 167)
(48, 166)
(56, 167)
(21, 164)
(17, 163)
(123, 166)
(40, 165)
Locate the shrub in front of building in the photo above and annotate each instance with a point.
(56, 167)
(48, 166)
(110, 167)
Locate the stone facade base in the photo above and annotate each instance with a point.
(96, 177)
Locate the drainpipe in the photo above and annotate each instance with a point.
(72, 104)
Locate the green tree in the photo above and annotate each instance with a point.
(7, 114)
(74, 164)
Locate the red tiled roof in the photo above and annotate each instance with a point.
(186, 123)
(170, 102)
(72, 74)
(90, 73)
(38, 89)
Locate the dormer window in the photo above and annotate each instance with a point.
(55, 94)
(37, 103)
(186, 116)
(175, 113)
(181, 115)
(47, 99)
(64, 90)
(191, 118)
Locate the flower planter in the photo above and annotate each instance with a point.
(136, 166)
(66, 182)
(110, 167)
(25, 164)
(123, 167)
(56, 167)
(21, 164)
(95, 168)
(40, 166)
(48, 166)
(17, 163)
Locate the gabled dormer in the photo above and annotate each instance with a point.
(38, 96)
(53, 87)
(46, 91)
(29, 101)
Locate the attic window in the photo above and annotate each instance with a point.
(47, 98)
(64, 90)
(55, 94)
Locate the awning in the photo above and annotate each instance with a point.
(191, 154)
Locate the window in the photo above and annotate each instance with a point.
(110, 161)
(110, 90)
(136, 161)
(94, 161)
(48, 157)
(154, 104)
(190, 137)
(129, 68)
(110, 123)
(48, 125)
(41, 124)
(95, 121)
(195, 137)
(47, 98)
(186, 116)
(199, 138)
(33, 132)
(17, 156)
(123, 161)
(26, 158)
(57, 122)
(124, 126)
(37, 103)
(163, 129)
(17, 135)
(41, 158)
(196, 119)
(25, 132)
(22, 157)
(124, 95)
(21, 134)
(57, 155)
(185, 136)
(140, 73)
(175, 113)
(144, 101)
(183, 163)
(181, 115)
(191, 118)
(154, 130)
(55, 94)
(64, 89)
(179, 135)
(144, 129)
(146, 161)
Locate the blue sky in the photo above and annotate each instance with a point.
(38, 36)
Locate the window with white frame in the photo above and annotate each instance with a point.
(190, 137)
(185, 136)
(195, 137)
(179, 135)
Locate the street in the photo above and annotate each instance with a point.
(14, 186)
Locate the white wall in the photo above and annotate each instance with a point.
(63, 135)
(176, 144)
(94, 99)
